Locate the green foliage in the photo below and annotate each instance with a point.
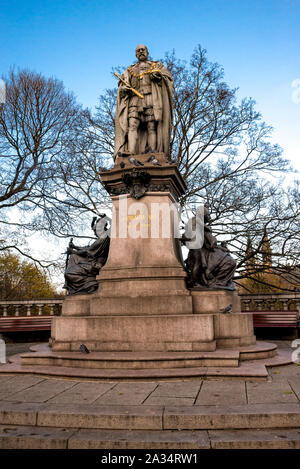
(21, 280)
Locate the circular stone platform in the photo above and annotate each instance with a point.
(247, 362)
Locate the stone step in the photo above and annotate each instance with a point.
(151, 417)
(258, 351)
(148, 360)
(26, 437)
(132, 360)
(254, 370)
(255, 439)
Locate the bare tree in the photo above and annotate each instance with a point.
(223, 150)
(36, 122)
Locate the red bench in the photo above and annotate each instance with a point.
(25, 323)
(275, 318)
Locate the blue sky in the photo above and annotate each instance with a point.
(257, 42)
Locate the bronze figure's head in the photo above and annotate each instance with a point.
(141, 53)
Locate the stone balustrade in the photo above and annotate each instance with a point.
(270, 301)
(250, 302)
(42, 307)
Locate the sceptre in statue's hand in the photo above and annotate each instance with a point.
(129, 87)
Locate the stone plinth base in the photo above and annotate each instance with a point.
(233, 330)
(134, 333)
(172, 327)
(213, 301)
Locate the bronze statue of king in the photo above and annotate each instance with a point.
(144, 110)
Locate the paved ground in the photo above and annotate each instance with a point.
(283, 386)
(23, 347)
(42, 412)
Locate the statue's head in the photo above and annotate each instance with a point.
(141, 53)
(99, 225)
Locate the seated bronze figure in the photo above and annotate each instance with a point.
(84, 263)
(210, 264)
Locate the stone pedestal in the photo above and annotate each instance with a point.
(142, 303)
(232, 329)
(142, 275)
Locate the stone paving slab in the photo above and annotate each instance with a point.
(22, 437)
(119, 398)
(255, 439)
(4, 379)
(19, 347)
(127, 394)
(270, 393)
(146, 387)
(165, 401)
(82, 393)
(283, 372)
(178, 389)
(116, 439)
(41, 392)
(295, 386)
(18, 383)
(222, 393)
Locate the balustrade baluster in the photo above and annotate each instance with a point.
(285, 305)
(28, 310)
(258, 304)
(246, 304)
(271, 304)
(52, 309)
(4, 310)
(40, 308)
(17, 312)
(297, 304)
